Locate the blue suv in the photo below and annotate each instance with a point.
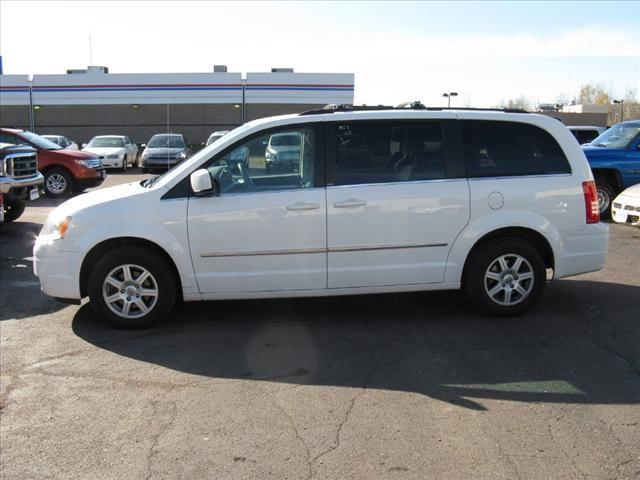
(614, 157)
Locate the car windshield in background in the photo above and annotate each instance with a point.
(39, 141)
(213, 138)
(285, 140)
(106, 142)
(55, 140)
(166, 142)
(618, 136)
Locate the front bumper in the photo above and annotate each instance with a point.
(583, 252)
(626, 210)
(160, 162)
(10, 185)
(58, 272)
(112, 162)
(89, 182)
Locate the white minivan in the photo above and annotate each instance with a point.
(380, 201)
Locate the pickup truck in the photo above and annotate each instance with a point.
(20, 180)
(614, 157)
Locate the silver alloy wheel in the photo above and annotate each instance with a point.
(130, 291)
(56, 183)
(604, 199)
(509, 279)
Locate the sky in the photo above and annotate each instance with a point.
(488, 52)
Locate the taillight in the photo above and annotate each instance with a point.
(592, 209)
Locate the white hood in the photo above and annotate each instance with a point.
(633, 191)
(104, 151)
(94, 198)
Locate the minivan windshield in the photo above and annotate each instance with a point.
(618, 136)
(166, 141)
(106, 142)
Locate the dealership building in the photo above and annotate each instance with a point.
(85, 103)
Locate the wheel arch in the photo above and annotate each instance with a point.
(610, 175)
(100, 249)
(56, 166)
(533, 237)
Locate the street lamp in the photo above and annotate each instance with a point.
(449, 95)
(621, 102)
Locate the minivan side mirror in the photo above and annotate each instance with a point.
(201, 183)
(84, 145)
(143, 145)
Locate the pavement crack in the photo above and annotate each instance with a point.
(562, 450)
(345, 419)
(295, 431)
(155, 438)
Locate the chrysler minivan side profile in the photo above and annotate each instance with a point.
(490, 202)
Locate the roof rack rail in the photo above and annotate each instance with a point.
(417, 105)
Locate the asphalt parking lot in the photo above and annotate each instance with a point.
(409, 386)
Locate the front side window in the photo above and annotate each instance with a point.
(279, 160)
(500, 149)
(585, 136)
(388, 152)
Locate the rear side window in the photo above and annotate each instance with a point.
(381, 152)
(585, 136)
(502, 149)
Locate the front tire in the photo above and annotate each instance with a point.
(606, 194)
(132, 287)
(13, 210)
(58, 182)
(505, 277)
(125, 164)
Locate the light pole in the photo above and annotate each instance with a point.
(621, 102)
(449, 95)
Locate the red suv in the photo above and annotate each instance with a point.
(65, 171)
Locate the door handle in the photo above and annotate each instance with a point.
(302, 206)
(349, 203)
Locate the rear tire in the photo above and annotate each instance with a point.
(606, 194)
(132, 287)
(505, 277)
(13, 211)
(58, 182)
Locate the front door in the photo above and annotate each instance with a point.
(396, 205)
(266, 231)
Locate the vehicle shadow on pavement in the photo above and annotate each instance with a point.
(580, 345)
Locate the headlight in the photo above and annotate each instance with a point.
(145, 155)
(270, 156)
(114, 157)
(2, 169)
(55, 228)
(181, 156)
(83, 163)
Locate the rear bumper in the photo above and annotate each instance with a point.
(583, 252)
